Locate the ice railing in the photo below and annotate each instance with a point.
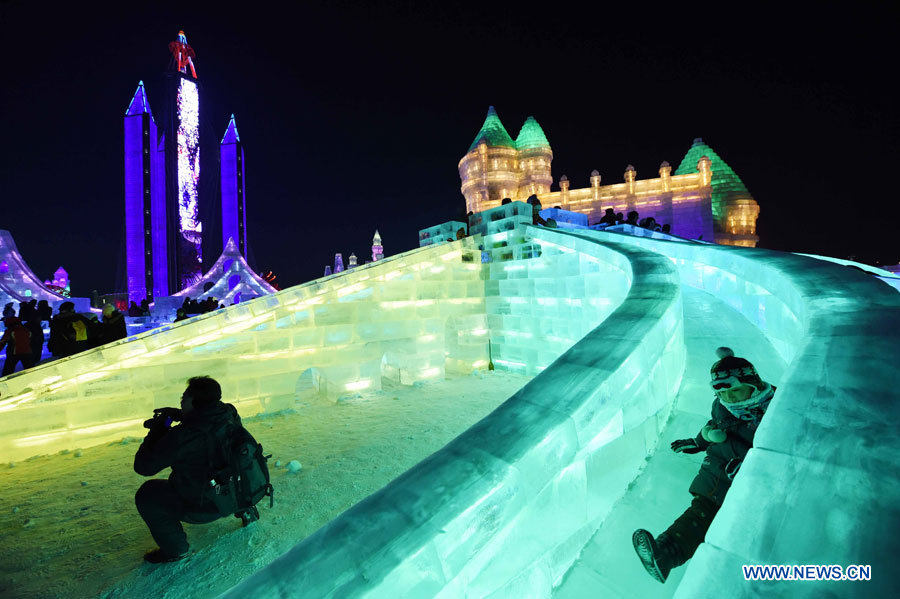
(408, 317)
(821, 484)
(505, 508)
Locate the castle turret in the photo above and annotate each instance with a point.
(377, 249)
(734, 209)
(535, 157)
(490, 169)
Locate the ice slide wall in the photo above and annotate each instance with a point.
(407, 318)
(502, 509)
(505, 508)
(335, 335)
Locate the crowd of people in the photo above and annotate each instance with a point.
(70, 332)
(611, 218)
(191, 307)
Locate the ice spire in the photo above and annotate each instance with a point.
(231, 133)
(531, 136)
(139, 103)
(493, 132)
(377, 250)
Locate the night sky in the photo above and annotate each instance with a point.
(355, 117)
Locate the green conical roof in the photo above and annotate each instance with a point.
(531, 136)
(493, 132)
(725, 182)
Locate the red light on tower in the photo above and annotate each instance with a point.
(183, 54)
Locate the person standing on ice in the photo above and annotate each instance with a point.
(184, 497)
(742, 398)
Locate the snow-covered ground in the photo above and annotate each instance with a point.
(70, 528)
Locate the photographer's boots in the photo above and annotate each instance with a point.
(158, 556)
(247, 516)
(658, 556)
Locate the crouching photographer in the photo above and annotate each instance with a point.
(186, 448)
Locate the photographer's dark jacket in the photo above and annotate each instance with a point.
(185, 449)
(711, 481)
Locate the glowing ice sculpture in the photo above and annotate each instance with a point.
(523, 489)
(230, 280)
(19, 284)
(498, 510)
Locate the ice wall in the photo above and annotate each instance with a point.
(505, 508)
(407, 317)
(821, 484)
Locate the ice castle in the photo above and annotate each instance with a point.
(703, 198)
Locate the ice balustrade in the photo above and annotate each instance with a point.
(820, 484)
(506, 507)
(408, 317)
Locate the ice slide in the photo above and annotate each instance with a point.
(508, 507)
(512, 505)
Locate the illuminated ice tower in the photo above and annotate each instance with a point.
(734, 209)
(496, 167)
(145, 203)
(231, 164)
(182, 157)
(377, 250)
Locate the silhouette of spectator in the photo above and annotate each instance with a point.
(113, 326)
(180, 315)
(26, 309)
(620, 218)
(609, 218)
(633, 218)
(17, 340)
(536, 217)
(460, 233)
(45, 312)
(36, 329)
(69, 331)
(504, 202)
(667, 229)
(134, 310)
(8, 310)
(145, 307)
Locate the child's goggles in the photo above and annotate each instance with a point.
(725, 384)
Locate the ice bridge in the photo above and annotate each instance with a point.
(539, 498)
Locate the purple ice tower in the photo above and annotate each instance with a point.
(234, 216)
(145, 203)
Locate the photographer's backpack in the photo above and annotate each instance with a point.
(239, 476)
